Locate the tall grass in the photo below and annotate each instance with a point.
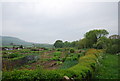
(109, 68)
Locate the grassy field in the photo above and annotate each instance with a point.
(109, 68)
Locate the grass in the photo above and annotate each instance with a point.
(109, 67)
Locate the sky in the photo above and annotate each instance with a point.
(51, 20)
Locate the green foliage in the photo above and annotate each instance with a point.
(57, 53)
(58, 44)
(31, 75)
(114, 46)
(73, 44)
(72, 57)
(94, 35)
(67, 44)
(59, 49)
(102, 43)
(83, 43)
(114, 37)
(109, 68)
(44, 46)
(90, 39)
(113, 49)
(72, 50)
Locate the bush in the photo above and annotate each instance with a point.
(72, 50)
(59, 49)
(113, 49)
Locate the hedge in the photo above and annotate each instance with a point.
(83, 70)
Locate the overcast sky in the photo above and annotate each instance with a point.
(46, 22)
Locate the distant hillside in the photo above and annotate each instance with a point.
(7, 40)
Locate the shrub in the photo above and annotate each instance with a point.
(59, 49)
(113, 49)
(72, 50)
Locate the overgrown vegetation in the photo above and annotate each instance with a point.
(109, 67)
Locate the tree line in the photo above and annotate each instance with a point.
(94, 39)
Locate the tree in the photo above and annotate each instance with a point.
(114, 37)
(83, 43)
(114, 46)
(113, 49)
(67, 44)
(58, 44)
(21, 46)
(94, 35)
(73, 44)
(102, 43)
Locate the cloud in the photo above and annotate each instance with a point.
(46, 22)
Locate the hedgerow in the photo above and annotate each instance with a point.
(83, 70)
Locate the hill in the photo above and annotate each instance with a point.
(7, 40)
